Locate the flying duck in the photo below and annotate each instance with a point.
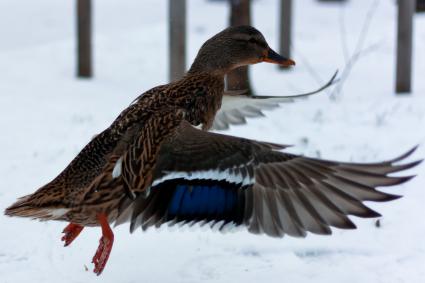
(152, 166)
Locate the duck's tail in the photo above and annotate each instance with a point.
(25, 207)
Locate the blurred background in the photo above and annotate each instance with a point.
(67, 69)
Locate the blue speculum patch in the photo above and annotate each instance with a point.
(202, 200)
(197, 200)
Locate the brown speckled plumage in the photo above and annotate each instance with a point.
(86, 185)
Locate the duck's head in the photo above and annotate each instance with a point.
(235, 47)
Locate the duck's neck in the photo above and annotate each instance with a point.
(215, 67)
(205, 74)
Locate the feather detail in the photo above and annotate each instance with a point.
(116, 172)
(236, 107)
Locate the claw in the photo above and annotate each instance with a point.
(71, 232)
(105, 245)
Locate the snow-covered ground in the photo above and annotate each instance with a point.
(47, 116)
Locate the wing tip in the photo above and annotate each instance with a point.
(371, 214)
(405, 155)
(388, 197)
(347, 225)
(401, 180)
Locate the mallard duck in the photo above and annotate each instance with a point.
(151, 166)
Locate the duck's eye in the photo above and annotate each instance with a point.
(252, 40)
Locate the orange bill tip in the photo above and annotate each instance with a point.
(272, 57)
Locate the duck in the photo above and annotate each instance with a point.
(158, 163)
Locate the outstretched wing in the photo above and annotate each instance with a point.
(236, 108)
(224, 180)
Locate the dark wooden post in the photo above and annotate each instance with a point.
(332, 0)
(240, 14)
(177, 37)
(406, 9)
(285, 29)
(84, 39)
(420, 5)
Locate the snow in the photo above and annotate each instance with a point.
(47, 116)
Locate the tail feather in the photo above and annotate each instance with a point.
(24, 207)
(20, 208)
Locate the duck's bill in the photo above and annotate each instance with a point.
(275, 58)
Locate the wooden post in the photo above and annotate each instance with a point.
(332, 0)
(406, 9)
(285, 29)
(177, 37)
(420, 6)
(84, 39)
(240, 14)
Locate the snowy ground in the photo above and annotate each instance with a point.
(47, 116)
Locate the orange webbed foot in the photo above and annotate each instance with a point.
(102, 254)
(105, 246)
(71, 232)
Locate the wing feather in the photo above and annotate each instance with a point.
(236, 107)
(278, 193)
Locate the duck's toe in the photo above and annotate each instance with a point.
(71, 232)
